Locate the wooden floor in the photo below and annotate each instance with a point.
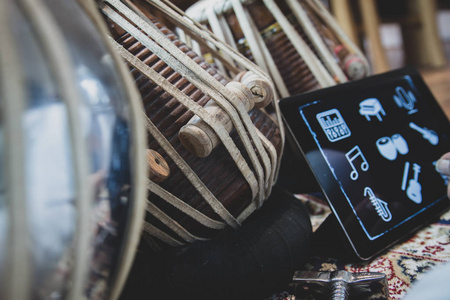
(439, 83)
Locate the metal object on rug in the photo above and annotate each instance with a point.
(340, 285)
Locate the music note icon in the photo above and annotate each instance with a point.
(351, 156)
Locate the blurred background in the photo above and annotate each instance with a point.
(397, 33)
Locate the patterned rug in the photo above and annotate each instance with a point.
(403, 264)
(407, 262)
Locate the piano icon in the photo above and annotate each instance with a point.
(371, 107)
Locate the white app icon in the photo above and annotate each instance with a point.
(380, 206)
(405, 99)
(414, 189)
(427, 134)
(353, 154)
(371, 107)
(390, 146)
(333, 125)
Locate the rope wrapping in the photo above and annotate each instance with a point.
(202, 195)
(296, 41)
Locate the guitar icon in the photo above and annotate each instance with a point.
(427, 134)
(414, 190)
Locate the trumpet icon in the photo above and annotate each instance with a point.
(381, 206)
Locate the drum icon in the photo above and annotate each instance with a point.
(388, 147)
(400, 144)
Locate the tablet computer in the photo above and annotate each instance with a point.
(372, 145)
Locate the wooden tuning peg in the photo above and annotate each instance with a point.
(159, 170)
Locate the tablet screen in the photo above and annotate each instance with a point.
(372, 145)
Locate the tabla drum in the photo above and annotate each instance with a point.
(213, 150)
(71, 137)
(297, 42)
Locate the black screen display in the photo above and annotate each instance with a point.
(372, 145)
